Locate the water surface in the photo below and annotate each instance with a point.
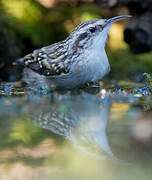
(75, 135)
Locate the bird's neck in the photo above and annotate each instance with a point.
(97, 64)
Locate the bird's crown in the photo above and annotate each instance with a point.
(91, 30)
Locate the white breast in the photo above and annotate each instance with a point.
(98, 65)
(95, 66)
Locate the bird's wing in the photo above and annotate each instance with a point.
(48, 61)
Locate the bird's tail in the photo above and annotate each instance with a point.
(19, 62)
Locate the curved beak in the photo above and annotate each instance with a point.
(117, 18)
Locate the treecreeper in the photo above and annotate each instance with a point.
(73, 62)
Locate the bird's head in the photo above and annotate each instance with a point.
(93, 33)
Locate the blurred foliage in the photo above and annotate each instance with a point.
(147, 107)
(44, 26)
(27, 19)
(124, 64)
(149, 78)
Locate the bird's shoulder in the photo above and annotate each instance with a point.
(48, 61)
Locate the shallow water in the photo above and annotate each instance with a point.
(75, 135)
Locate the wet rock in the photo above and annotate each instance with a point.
(117, 89)
(138, 33)
(142, 90)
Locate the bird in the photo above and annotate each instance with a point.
(78, 60)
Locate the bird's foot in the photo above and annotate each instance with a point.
(92, 88)
(93, 85)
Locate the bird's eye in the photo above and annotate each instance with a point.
(92, 29)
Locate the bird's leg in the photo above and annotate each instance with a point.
(92, 88)
(93, 84)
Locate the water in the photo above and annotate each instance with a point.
(75, 135)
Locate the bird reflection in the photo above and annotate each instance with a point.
(80, 118)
